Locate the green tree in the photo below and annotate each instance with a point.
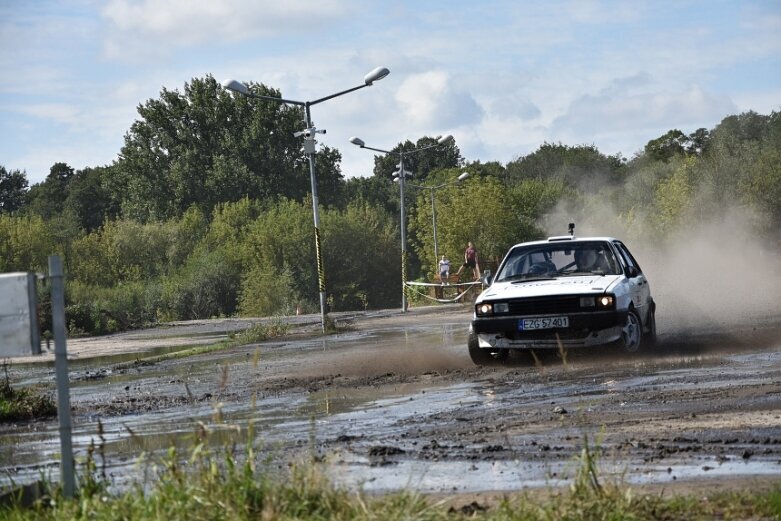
(698, 142)
(25, 243)
(762, 188)
(207, 286)
(421, 163)
(47, 198)
(481, 210)
(88, 199)
(13, 190)
(281, 241)
(374, 190)
(582, 166)
(357, 247)
(723, 173)
(362, 257)
(204, 147)
(673, 143)
(673, 197)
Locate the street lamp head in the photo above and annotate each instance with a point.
(445, 139)
(375, 75)
(463, 176)
(235, 86)
(357, 141)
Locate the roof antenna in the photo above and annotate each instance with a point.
(572, 229)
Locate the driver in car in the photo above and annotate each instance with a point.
(586, 260)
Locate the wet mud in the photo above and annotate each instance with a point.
(393, 401)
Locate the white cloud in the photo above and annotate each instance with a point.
(429, 99)
(617, 110)
(141, 28)
(598, 12)
(57, 112)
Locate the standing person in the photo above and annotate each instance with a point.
(470, 261)
(444, 270)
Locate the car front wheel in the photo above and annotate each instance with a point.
(632, 333)
(482, 356)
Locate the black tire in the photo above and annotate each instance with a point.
(649, 339)
(485, 356)
(632, 332)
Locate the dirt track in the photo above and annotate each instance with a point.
(393, 401)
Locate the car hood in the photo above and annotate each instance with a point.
(595, 284)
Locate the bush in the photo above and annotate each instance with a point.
(24, 404)
(266, 293)
(207, 286)
(98, 311)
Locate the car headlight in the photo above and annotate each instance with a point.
(606, 302)
(491, 308)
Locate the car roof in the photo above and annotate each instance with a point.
(565, 239)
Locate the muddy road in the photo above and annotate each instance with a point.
(392, 401)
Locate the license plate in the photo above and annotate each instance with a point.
(528, 324)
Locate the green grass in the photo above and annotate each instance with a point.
(252, 335)
(215, 484)
(23, 404)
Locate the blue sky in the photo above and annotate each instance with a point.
(502, 77)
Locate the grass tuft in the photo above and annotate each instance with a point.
(23, 404)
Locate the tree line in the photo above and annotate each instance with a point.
(207, 210)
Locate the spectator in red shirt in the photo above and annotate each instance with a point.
(470, 261)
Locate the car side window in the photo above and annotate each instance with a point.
(513, 265)
(627, 257)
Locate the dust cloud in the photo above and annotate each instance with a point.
(713, 276)
(410, 361)
(393, 353)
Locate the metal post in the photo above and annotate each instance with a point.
(315, 212)
(402, 179)
(434, 222)
(61, 371)
(402, 176)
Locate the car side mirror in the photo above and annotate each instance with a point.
(632, 272)
(487, 277)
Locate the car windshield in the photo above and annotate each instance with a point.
(558, 259)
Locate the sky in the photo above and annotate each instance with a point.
(501, 76)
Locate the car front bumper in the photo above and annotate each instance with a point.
(584, 330)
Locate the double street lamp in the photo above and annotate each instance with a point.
(402, 175)
(309, 149)
(434, 208)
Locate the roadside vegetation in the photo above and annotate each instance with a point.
(215, 484)
(198, 220)
(26, 403)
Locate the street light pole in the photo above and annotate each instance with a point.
(434, 226)
(402, 176)
(309, 149)
(432, 189)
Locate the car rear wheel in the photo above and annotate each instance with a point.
(632, 333)
(482, 356)
(650, 336)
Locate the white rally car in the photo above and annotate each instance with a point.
(563, 292)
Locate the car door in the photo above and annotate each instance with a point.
(639, 288)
